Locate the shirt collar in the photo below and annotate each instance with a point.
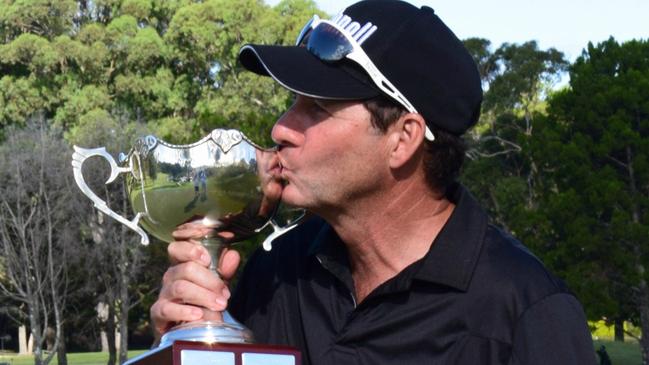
(451, 259)
(455, 251)
(330, 251)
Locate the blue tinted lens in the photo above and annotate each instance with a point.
(328, 43)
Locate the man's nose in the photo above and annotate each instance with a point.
(287, 131)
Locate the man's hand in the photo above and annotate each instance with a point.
(271, 182)
(190, 290)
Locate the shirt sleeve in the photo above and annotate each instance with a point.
(553, 331)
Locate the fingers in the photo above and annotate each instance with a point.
(190, 283)
(273, 190)
(185, 251)
(165, 314)
(226, 235)
(269, 172)
(190, 290)
(192, 230)
(272, 184)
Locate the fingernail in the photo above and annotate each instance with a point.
(205, 259)
(226, 292)
(222, 303)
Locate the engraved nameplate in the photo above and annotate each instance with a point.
(193, 357)
(267, 359)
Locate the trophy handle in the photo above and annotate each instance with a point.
(278, 231)
(79, 156)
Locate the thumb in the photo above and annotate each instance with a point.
(228, 263)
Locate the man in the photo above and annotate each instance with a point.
(399, 264)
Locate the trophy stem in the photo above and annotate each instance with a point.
(212, 328)
(215, 247)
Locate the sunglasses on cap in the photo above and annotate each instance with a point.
(330, 43)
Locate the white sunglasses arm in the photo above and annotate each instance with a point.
(385, 85)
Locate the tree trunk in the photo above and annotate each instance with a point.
(38, 344)
(57, 300)
(110, 333)
(124, 283)
(123, 328)
(643, 288)
(644, 323)
(61, 351)
(618, 326)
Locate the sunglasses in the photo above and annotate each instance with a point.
(330, 42)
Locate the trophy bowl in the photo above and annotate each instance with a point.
(221, 181)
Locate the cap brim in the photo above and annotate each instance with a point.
(296, 69)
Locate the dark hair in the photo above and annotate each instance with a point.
(443, 157)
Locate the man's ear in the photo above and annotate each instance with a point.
(406, 137)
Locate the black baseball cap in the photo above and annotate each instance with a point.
(411, 46)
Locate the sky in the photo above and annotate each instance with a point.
(566, 25)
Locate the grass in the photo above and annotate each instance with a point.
(80, 358)
(621, 353)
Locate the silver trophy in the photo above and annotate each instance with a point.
(219, 181)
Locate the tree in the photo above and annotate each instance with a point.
(34, 237)
(596, 151)
(234, 97)
(169, 64)
(500, 170)
(114, 256)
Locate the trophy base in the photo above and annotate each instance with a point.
(228, 331)
(215, 342)
(199, 353)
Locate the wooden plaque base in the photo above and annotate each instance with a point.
(199, 353)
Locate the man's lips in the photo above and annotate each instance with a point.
(275, 170)
(283, 174)
(281, 163)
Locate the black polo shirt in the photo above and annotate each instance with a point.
(477, 297)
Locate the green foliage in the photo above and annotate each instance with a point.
(501, 171)
(600, 174)
(569, 176)
(107, 71)
(525, 71)
(18, 97)
(80, 102)
(169, 64)
(293, 15)
(487, 62)
(40, 17)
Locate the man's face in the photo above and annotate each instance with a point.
(331, 155)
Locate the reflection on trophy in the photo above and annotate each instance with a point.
(222, 182)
